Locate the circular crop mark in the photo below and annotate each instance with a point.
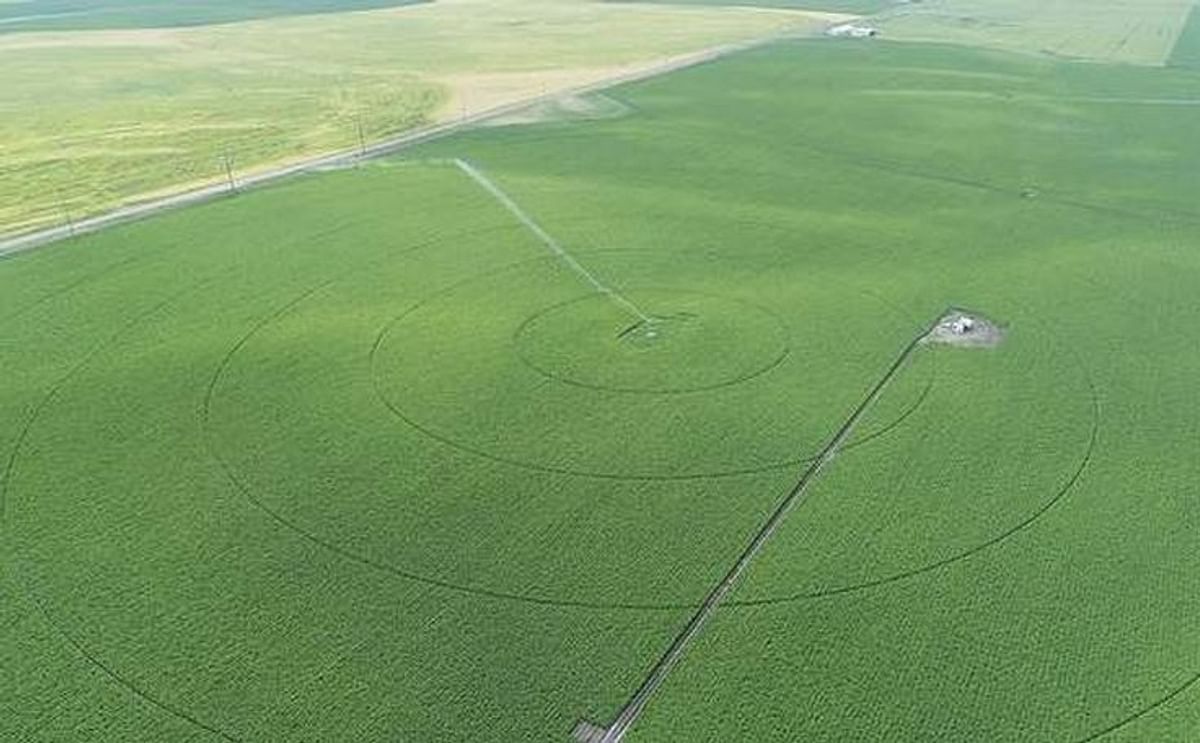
(964, 487)
(25, 583)
(317, 460)
(691, 342)
(521, 367)
(1043, 496)
(238, 382)
(465, 367)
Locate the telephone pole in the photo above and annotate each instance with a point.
(62, 205)
(362, 140)
(228, 161)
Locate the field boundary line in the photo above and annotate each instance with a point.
(22, 241)
(633, 708)
(547, 239)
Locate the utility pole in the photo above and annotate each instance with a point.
(228, 161)
(62, 202)
(362, 140)
(62, 205)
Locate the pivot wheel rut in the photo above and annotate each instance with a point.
(951, 325)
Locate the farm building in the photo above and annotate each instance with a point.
(852, 31)
(963, 325)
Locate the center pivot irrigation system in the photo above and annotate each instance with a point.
(952, 326)
(588, 732)
(644, 319)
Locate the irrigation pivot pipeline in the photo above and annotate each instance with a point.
(588, 732)
(551, 244)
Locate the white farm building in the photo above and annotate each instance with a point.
(852, 31)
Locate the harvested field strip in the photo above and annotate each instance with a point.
(216, 185)
(303, 86)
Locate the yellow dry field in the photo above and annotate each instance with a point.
(93, 119)
(1123, 31)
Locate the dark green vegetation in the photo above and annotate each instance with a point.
(63, 15)
(355, 458)
(1186, 52)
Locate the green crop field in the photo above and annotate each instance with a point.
(1107, 30)
(364, 456)
(57, 15)
(1186, 52)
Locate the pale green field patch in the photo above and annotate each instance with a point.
(178, 102)
(565, 108)
(1101, 30)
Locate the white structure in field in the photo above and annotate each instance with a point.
(852, 31)
(962, 325)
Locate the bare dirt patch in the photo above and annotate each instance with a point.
(588, 732)
(142, 37)
(965, 329)
(475, 92)
(569, 107)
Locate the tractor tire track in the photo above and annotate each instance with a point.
(636, 704)
(1141, 712)
(68, 288)
(149, 697)
(1068, 485)
(231, 474)
(453, 443)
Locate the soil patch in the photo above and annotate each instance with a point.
(567, 107)
(966, 329)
